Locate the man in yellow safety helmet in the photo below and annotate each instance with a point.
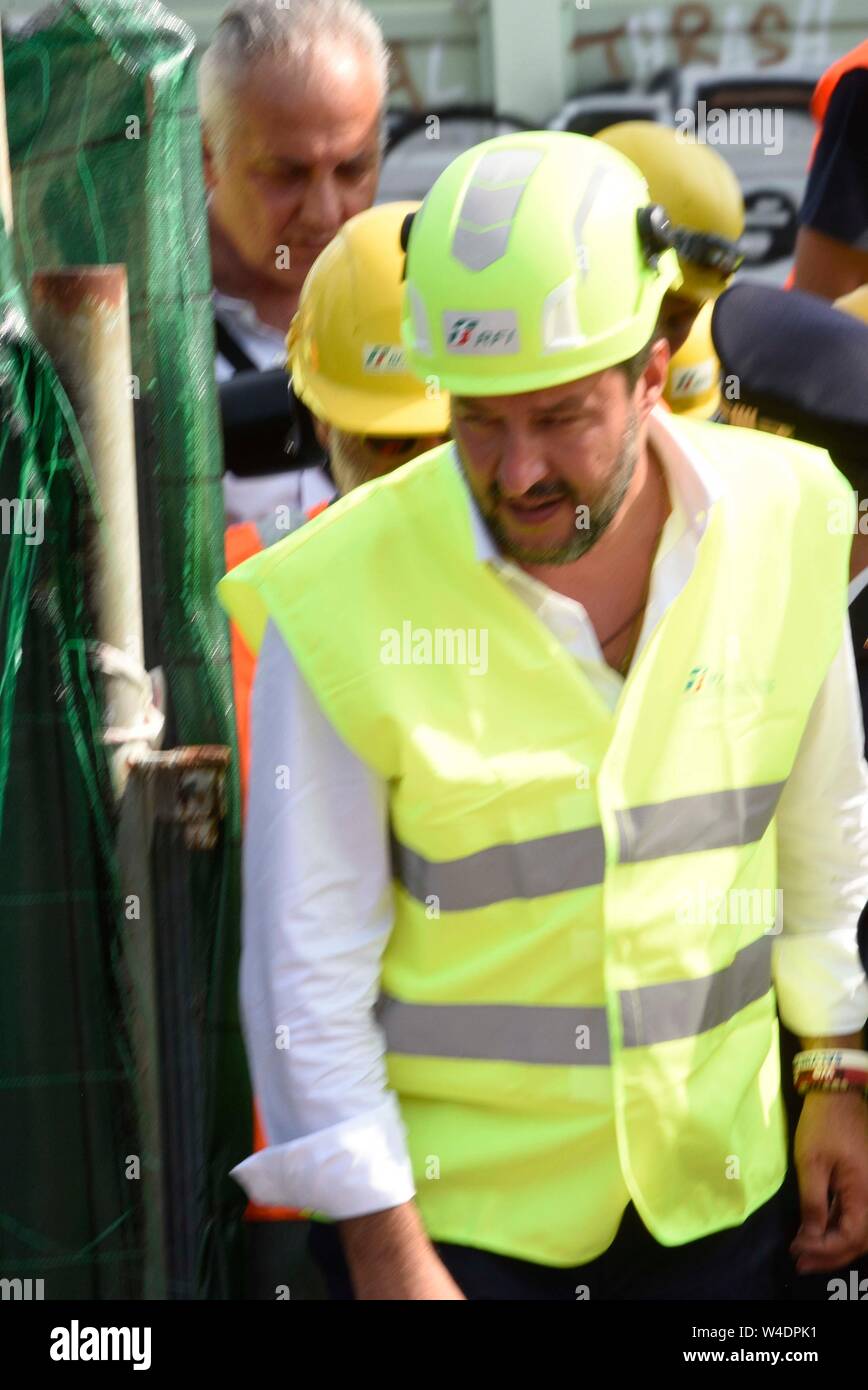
(347, 361)
(349, 369)
(702, 196)
(370, 413)
(515, 903)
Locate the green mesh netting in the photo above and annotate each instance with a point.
(106, 162)
(67, 1114)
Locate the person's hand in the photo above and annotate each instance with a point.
(831, 1153)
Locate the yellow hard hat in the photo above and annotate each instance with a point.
(693, 384)
(344, 344)
(855, 303)
(699, 191)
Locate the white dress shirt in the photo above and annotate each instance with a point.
(258, 498)
(318, 887)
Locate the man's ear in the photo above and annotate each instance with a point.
(652, 382)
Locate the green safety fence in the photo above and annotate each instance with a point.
(106, 162)
(68, 1216)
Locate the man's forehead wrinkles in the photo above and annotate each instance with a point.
(322, 143)
(562, 407)
(509, 406)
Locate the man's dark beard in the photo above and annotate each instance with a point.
(601, 513)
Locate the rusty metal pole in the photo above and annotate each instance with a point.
(81, 317)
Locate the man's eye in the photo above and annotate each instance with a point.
(357, 169)
(286, 173)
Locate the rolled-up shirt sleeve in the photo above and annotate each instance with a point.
(316, 919)
(823, 864)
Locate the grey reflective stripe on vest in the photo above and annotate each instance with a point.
(713, 820)
(548, 1036)
(577, 858)
(496, 1032)
(488, 210)
(661, 1013)
(530, 869)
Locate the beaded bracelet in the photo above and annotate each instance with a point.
(830, 1069)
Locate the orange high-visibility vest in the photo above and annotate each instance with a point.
(240, 542)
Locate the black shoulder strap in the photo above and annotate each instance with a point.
(859, 629)
(228, 348)
(859, 624)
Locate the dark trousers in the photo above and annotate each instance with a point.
(748, 1262)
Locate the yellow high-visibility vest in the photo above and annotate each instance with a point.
(576, 993)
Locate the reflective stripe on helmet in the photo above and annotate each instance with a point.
(487, 212)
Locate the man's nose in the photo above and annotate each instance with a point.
(322, 207)
(521, 464)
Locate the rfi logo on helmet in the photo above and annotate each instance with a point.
(490, 334)
(383, 357)
(693, 381)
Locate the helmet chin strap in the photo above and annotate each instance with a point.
(708, 251)
(704, 249)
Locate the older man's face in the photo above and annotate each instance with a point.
(302, 158)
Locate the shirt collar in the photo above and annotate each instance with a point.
(244, 314)
(694, 486)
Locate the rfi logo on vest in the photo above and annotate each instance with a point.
(380, 358)
(490, 334)
(703, 678)
(696, 679)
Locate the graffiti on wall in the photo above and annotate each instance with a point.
(756, 35)
(736, 38)
(435, 94)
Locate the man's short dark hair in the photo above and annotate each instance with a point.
(635, 365)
